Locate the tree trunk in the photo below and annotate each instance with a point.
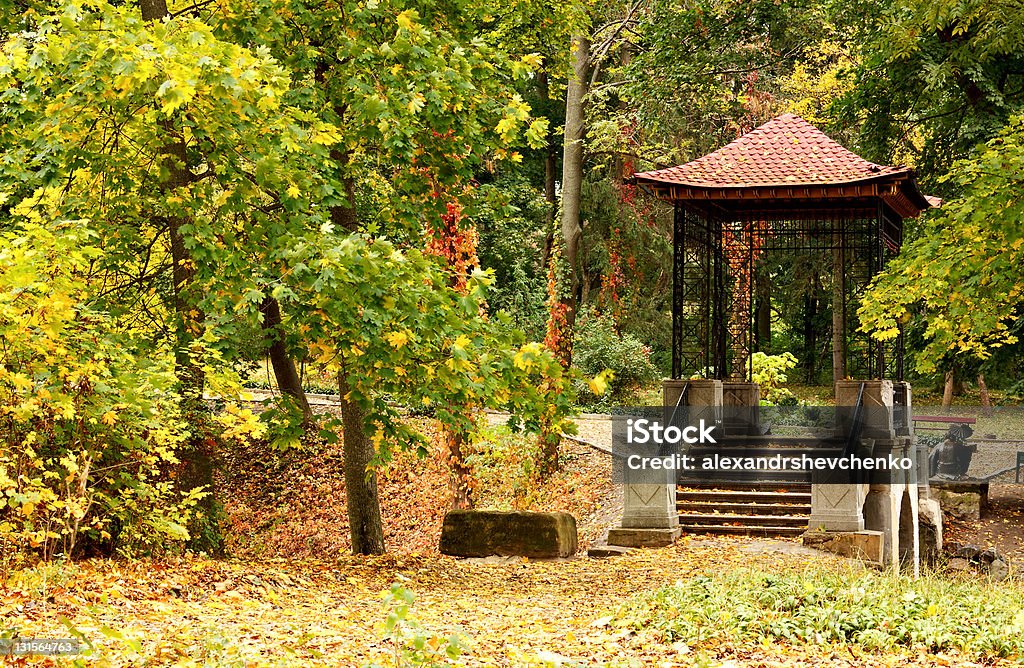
(572, 172)
(197, 456)
(361, 495)
(572, 228)
(838, 310)
(947, 393)
(288, 380)
(459, 480)
(764, 311)
(986, 401)
(550, 173)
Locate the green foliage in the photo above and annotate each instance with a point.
(770, 372)
(936, 78)
(511, 217)
(414, 646)
(598, 347)
(878, 612)
(961, 280)
(389, 321)
(88, 419)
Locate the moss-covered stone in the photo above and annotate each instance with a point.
(482, 533)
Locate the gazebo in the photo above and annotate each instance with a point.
(781, 191)
(783, 187)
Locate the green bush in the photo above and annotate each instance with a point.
(598, 347)
(769, 371)
(879, 612)
(89, 423)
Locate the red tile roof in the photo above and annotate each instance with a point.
(786, 151)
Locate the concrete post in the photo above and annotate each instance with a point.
(649, 516)
(891, 507)
(741, 403)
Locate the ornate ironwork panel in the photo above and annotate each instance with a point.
(715, 265)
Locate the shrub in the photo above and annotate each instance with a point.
(88, 421)
(598, 347)
(769, 371)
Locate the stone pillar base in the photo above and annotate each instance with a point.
(877, 411)
(863, 545)
(649, 506)
(625, 537)
(837, 508)
(741, 410)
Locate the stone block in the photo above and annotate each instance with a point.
(837, 507)
(649, 506)
(930, 528)
(741, 408)
(625, 537)
(481, 533)
(603, 551)
(863, 545)
(965, 505)
(877, 407)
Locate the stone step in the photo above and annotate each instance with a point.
(604, 551)
(743, 496)
(766, 486)
(763, 531)
(716, 519)
(761, 451)
(769, 440)
(744, 508)
(730, 477)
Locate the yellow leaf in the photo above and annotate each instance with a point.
(109, 418)
(407, 19)
(397, 339)
(416, 103)
(28, 508)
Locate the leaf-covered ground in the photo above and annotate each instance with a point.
(293, 504)
(290, 595)
(196, 611)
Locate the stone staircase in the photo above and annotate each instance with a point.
(750, 503)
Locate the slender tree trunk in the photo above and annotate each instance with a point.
(764, 310)
(572, 172)
(986, 401)
(288, 380)
(838, 310)
(947, 393)
(361, 493)
(561, 329)
(197, 458)
(365, 526)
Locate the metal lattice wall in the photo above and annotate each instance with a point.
(716, 260)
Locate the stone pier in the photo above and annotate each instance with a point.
(649, 515)
(897, 503)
